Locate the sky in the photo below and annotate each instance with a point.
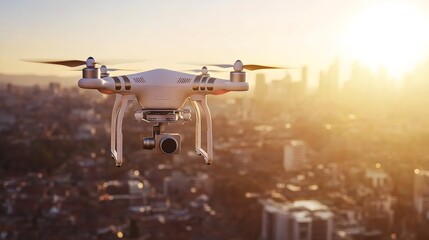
(166, 34)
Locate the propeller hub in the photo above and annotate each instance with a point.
(237, 75)
(204, 70)
(238, 66)
(90, 71)
(103, 69)
(90, 62)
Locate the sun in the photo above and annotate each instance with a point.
(394, 36)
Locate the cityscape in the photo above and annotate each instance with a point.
(347, 160)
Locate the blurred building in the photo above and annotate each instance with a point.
(259, 97)
(177, 183)
(243, 109)
(361, 83)
(299, 220)
(421, 195)
(378, 178)
(416, 83)
(304, 81)
(378, 213)
(54, 88)
(329, 80)
(294, 155)
(280, 91)
(261, 88)
(7, 120)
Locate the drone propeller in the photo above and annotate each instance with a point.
(104, 69)
(120, 69)
(77, 63)
(251, 67)
(109, 69)
(201, 70)
(239, 66)
(67, 63)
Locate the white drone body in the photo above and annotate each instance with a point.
(162, 95)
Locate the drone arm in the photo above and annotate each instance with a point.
(200, 101)
(91, 83)
(230, 86)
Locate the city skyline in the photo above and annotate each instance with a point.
(165, 35)
(364, 166)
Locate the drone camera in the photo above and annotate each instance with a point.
(167, 143)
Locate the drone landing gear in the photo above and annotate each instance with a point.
(200, 101)
(118, 111)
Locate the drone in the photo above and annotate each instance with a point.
(162, 95)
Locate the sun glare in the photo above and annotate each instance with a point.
(394, 36)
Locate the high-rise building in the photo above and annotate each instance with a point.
(261, 88)
(294, 155)
(378, 212)
(378, 178)
(303, 83)
(54, 88)
(361, 82)
(329, 80)
(299, 220)
(279, 90)
(421, 194)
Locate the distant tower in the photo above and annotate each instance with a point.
(304, 80)
(278, 90)
(243, 108)
(360, 83)
(261, 88)
(9, 88)
(294, 155)
(329, 80)
(304, 75)
(54, 88)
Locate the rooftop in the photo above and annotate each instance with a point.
(303, 206)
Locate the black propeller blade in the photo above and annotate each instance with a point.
(199, 70)
(76, 63)
(120, 69)
(67, 63)
(112, 69)
(251, 67)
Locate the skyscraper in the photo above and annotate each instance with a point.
(421, 194)
(299, 220)
(294, 155)
(261, 88)
(329, 80)
(304, 81)
(361, 82)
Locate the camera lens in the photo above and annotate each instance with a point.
(168, 145)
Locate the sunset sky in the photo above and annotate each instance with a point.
(167, 33)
